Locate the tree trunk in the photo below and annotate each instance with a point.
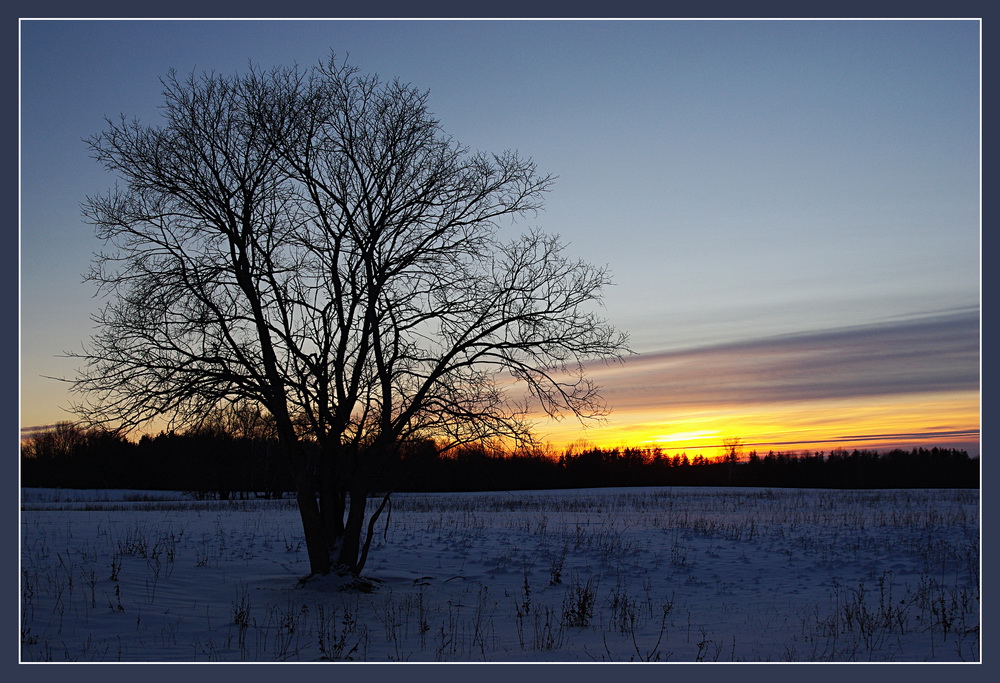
(331, 499)
(371, 532)
(313, 530)
(350, 545)
(317, 546)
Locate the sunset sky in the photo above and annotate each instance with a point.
(790, 209)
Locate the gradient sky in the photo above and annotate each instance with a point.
(790, 208)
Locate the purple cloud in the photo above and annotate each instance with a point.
(930, 354)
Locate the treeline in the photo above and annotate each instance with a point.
(476, 470)
(214, 463)
(207, 462)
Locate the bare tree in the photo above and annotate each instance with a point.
(311, 242)
(732, 449)
(60, 440)
(732, 453)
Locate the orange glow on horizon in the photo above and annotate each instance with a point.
(682, 437)
(878, 423)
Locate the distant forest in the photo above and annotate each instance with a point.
(210, 463)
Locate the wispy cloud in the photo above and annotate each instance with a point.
(946, 437)
(930, 354)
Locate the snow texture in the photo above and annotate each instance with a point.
(634, 574)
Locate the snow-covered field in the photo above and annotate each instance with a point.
(640, 574)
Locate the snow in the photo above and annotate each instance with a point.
(634, 574)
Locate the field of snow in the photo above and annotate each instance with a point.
(639, 574)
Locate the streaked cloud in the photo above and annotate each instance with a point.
(902, 382)
(36, 429)
(929, 354)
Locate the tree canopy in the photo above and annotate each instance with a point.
(311, 241)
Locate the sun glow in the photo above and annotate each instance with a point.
(949, 420)
(682, 437)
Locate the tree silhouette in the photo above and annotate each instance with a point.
(311, 242)
(732, 453)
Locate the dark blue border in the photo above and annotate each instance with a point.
(745, 673)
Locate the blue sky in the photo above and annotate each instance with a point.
(745, 181)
